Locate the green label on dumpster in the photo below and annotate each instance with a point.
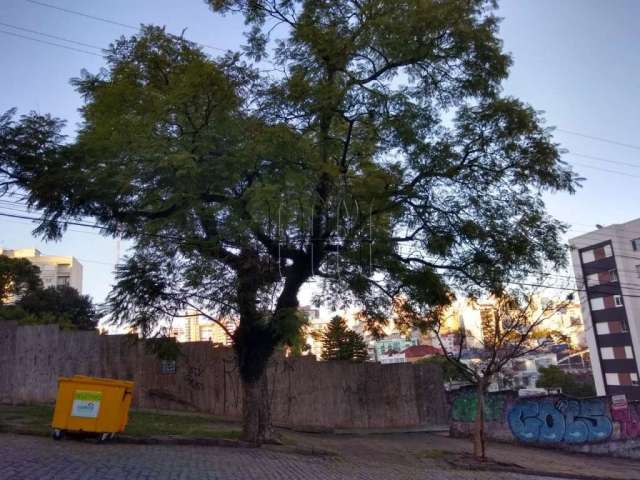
(86, 404)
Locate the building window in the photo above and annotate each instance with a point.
(597, 303)
(635, 244)
(599, 278)
(601, 303)
(616, 353)
(596, 254)
(593, 280)
(607, 353)
(167, 366)
(612, 379)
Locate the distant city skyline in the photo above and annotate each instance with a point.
(569, 57)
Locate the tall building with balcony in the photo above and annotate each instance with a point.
(607, 269)
(55, 270)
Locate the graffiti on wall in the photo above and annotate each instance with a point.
(568, 421)
(465, 407)
(628, 416)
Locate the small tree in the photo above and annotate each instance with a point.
(17, 276)
(517, 328)
(554, 377)
(356, 347)
(340, 343)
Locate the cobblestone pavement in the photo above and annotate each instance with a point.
(24, 457)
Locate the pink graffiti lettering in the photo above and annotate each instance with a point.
(629, 419)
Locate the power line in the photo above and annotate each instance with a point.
(600, 139)
(51, 36)
(606, 170)
(564, 288)
(86, 15)
(601, 159)
(51, 43)
(107, 20)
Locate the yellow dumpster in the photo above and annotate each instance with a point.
(88, 404)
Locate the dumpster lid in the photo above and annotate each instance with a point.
(112, 382)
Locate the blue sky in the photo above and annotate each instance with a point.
(576, 60)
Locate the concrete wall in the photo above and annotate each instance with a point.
(596, 425)
(304, 393)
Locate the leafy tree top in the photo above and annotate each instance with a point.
(17, 276)
(554, 377)
(62, 305)
(341, 343)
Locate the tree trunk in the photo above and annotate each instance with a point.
(256, 411)
(478, 436)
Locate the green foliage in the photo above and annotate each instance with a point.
(59, 305)
(17, 276)
(554, 377)
(238, 187)
(163, 347)
(295, 333)
(451, 372)
(340, 343)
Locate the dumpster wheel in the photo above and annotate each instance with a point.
(57, 434)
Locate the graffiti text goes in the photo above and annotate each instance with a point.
(569, 421)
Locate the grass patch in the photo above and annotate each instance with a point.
(433, 454)
(145, 424)
(36, 419)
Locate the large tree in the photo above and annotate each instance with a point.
(376, 153)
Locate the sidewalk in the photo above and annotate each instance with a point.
(442, 451)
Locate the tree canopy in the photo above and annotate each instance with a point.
(554, 377)
(62, 305)
(377, 155)
(17, 276)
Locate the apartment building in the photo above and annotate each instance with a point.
(607, 269)
(55, 270)
(193, 327)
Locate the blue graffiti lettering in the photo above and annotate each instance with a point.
(570, 421)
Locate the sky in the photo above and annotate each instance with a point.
(575, 60)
